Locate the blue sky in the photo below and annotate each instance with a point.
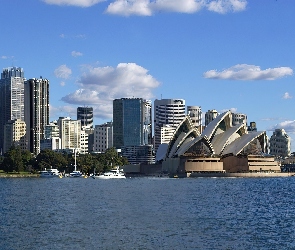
(221, 54)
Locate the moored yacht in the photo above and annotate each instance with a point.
(76, 173)
(53, 172)
(112, 174)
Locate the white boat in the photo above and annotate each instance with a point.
(76, 173)
(112, 174)
(53, 172)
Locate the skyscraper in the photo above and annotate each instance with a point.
(11, 97)
(132, 122)
(85, 114)
(167, 112)
(36, 111)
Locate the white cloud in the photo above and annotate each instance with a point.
(248, 72)
(287, 96)
(7, 57)
(130, 7)
(63, 111)
(101, 85)
(289, 126)
(78, 3)
(63, 72)
(149, 7)
(224, 6)
(233, 110)
(76, 53)
(62, 84)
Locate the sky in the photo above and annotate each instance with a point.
(234, 55)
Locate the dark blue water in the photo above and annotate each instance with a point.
(142, 213)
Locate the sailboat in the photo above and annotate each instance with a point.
(76, 173)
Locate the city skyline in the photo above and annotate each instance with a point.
(224, 55)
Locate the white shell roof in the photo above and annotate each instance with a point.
(237, 146)
(211, 127)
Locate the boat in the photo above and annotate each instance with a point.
(112, 174)
(53, 172)
(76, 173)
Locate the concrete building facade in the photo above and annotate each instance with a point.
(15, 135)
(195, 113)
(70, 134)
(167, 112)
(103, 137)
(210, 115)
(280, 143)
(36, 111)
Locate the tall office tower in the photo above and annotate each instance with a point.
(85, 114)
(210, 115)
(36, 111)
(238, 118)
(15, 135)
(11, 98)
(103, 137)
(167, 112)
(70, 133)
(131, 122)
(280, 143)
(195, 113)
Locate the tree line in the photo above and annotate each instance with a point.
(18, 160)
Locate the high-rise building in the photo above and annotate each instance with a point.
(85, 114)
(11, 98)
(167, 112)
(36, 111)
(210, 115)
(280, 143)
(70, 133)
(195, 113)
(238, 118)
(15, 135)
(103, 137)
(131, 122)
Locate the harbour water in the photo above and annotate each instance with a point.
(147, 213)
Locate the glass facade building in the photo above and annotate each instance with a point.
(85, 114)
(132, 122)
(11, 97)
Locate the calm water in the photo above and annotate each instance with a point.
(143, 213)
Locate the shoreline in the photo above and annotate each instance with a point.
(19, 175)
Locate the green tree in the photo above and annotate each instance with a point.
(13, 161)
(50, 159)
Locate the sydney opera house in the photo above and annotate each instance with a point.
(221, 148)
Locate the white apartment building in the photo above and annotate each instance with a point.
(167, 112)
(15, 135)
(84, 142)
(280, 143)
(238, 118)
(103, 137)
(210, 115)
(195, 114)
(70, 133)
